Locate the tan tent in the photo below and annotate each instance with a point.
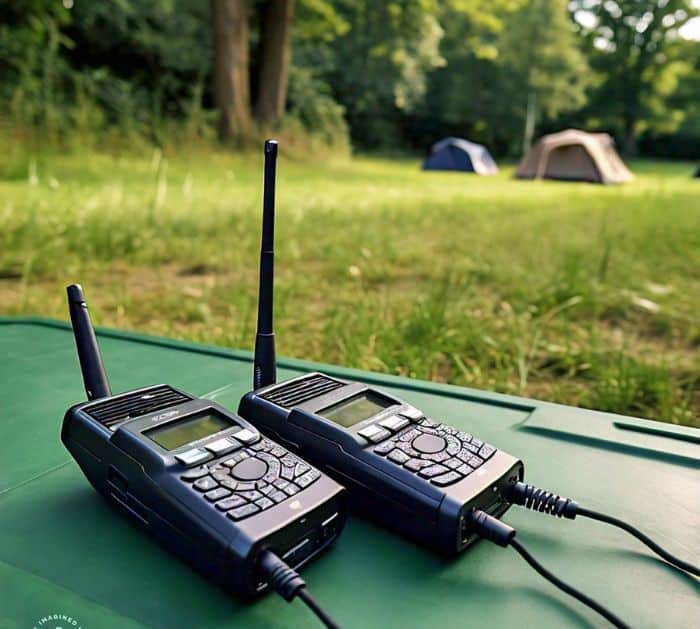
(574, 155)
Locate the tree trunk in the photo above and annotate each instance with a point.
(231, 77)
(275, 53)
(630, 141)
(530, 118)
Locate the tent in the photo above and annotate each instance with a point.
(574, 155)
(462, 155)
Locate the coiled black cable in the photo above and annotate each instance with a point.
(537, 499)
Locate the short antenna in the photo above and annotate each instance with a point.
(94, 376)
(265, 368)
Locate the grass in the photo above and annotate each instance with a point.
(581, 294)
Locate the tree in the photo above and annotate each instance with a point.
(274, 57)
(232, 68)
(627, 42)
(546, 70)
(231, 73)
(380, 63)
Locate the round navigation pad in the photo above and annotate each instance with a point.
(429, 444)
(249, 469)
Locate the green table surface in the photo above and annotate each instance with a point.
(64, 551)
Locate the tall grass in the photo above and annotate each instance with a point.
(575, 293)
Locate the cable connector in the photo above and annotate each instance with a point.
(288, 584)
(285, 581)
(490, 528)
(537, 499)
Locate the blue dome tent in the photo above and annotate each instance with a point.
(461, 155)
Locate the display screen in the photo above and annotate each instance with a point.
(356, 409)
(178, 433)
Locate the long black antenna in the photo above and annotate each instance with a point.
(265, 367)
(94, 376)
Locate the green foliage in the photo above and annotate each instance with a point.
(397, 74)
(542, 59)
(628, 44)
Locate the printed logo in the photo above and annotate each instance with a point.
(57, 621)
(295, 504)
(157, 418)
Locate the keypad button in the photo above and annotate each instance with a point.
(194, 473)
(453, 446)
(230, 503)
(428, 423)
(486, 451)
(374, 433)
(229, 462)
(384, 448)
(229, 483)
(278, 452)
(300, 469)
(250, 469)
(247, 436)
(446, 479)
(221, 473)
(306, 479)
(477, 442)
(408, 449)
(398, 457)
(465, 454)
(222, 446)
(264, 503)
(252, 494)
(464, 470)
(465, 437)
(278, 496)
(288, 460)
(453, 464)
(414, 465)
(433, 470)
(291, 489)
(243, 512)
(287, 473)
(438, 457)
(474, 462)
(409, 435)
(205, 484)
(429, 444)
(266, 490)
(394, 423)
(217, 494)
(193, 457)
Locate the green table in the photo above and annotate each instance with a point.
(64, 551)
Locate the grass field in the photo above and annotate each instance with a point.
(580, 294)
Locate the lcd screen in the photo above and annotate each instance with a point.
(356, 409)
(178, 433)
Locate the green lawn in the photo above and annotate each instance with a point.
(581, 294)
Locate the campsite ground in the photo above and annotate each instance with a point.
(575, 293)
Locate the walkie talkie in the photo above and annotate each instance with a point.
(409, 472)
(199, 478)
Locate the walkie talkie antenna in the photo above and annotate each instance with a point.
(265, 367)
(94, 376)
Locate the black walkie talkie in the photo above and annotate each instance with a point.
(411, 473)
(199, 478)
